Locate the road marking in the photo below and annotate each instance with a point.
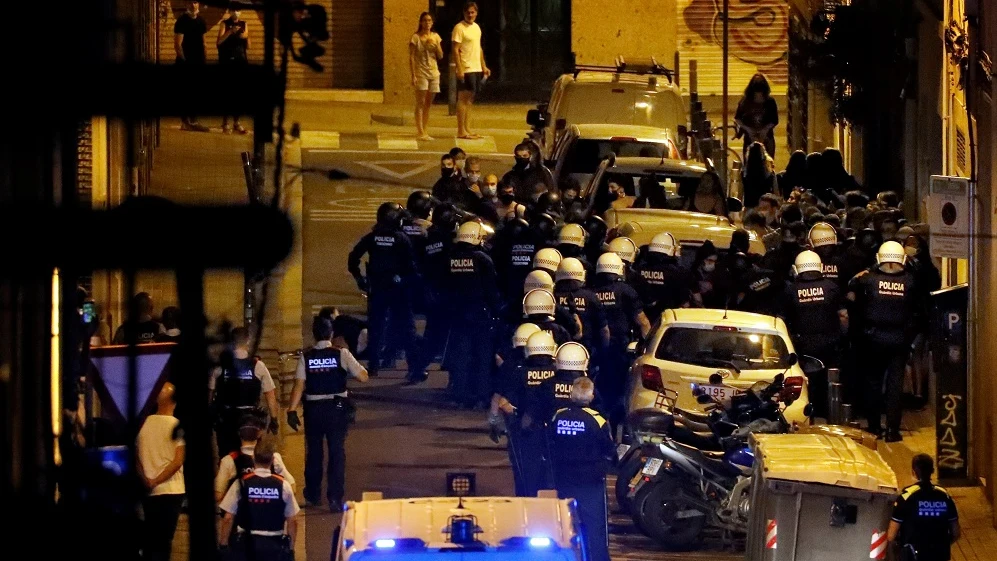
(320, 139)
(392, 141)
(473, 146)
(420, 166)
(337, 151)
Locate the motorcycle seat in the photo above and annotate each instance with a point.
(709, 459)
(707, 443)
(694, 416)
(651, 420)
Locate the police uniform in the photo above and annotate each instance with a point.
(925, 513)
(390, 267)
(433, 265)
(328, 414)
(621, 304)
(261, 503)
(886, 306)
(663, 284)
(237, 386)
(811, 307)
(240, 463)
(528, 436)
(582, 451)
(832, 263)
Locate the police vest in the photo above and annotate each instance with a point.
(324, 374)
(244, 465)
(261, 506)
(238, 385)
(889, 307)
(559, 388)
(521, 255)
(814, 312)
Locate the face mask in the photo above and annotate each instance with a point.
(522, 162)
(459, 164)
(474, 177)
(613, 195)
(709, 267)
(488, 190)
(910, 250)
(507, 198)
(446, 172)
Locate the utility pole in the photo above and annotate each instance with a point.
(726, 109)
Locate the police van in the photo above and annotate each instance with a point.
(544, 528)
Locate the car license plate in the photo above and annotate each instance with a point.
(652, 466)
(721, 392)
(622, 450)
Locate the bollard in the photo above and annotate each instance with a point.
(452, 89)
(834, 405)
(833, 375)
(848, 415)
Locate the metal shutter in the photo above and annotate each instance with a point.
(357, 44)
(759, 41)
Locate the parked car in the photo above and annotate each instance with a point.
(582, 147)
(687, 345)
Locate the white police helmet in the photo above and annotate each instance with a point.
(610, 262)
(822, 234)
(572, 356)
(625, 248)
(572, 234)
(522, 334)
(547, 259)
(891, 252)
(570, 269)
(541, 343)
(807, 262)
(538, 302)
(665, 243)
(538, 279)
(470, 232)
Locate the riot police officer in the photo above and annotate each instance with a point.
(512, 253)
(540, 307)
(627, 323)
(262, 507)
(627, 250)
(925, 522)
(528, 399)
(582, 452)
(321, 380)
(824, 241)
(236, 387)
(547, 259)
(474, 304)
(570, 290)
(501, 417)
(391, 264)
(433, 266)
(886, 302)
(571, 241)
(571, 361)
(419, 207)
(815, 313)
(663, 283)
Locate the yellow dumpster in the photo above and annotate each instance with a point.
(818, 497)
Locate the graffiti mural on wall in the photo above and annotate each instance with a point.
(759, 31)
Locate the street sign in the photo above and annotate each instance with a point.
(948, 216)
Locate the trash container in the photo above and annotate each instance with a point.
(818, 498)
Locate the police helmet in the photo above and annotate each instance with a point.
(625, 248)
(522, 334)
(544, 225)
(572, 234)
(541, 343)
(420, 204)
(538, 279)
(515, 228)
(596, 228)
(390, 214)
(665, 243)
(538, 302)
(470, 233)
(572, 356)
(807, 262)
(445, 216)
(822, 234)
(610, 262)
(547, 259)
(891, 252)
(570, 269)
(548, 201)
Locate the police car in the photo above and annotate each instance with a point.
(690, 344)
(544, 529)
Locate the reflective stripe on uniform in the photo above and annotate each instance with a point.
(595, 415)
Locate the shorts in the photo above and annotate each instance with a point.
(472, 82)
(427, 84)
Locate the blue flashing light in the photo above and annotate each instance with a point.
(384, 544)
(540, 542)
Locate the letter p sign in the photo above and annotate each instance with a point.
(953, 319)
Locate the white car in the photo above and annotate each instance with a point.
(621, 95)
(688, 345)
(582, 147)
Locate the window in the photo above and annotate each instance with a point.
(585, 155)
(715, 347)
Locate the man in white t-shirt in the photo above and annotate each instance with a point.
(160, 451)
(471, 68)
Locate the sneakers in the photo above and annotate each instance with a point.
(239, 129)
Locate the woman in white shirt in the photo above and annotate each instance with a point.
(425, 49)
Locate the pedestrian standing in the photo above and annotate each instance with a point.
(321, 380)
(425, 49)
(161, 450)
(757, 115)
(582, 451)
(472, 71)
(925, 522)
(188, 41)
(233, 49)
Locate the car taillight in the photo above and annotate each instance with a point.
(793, 387)
(650, 377)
